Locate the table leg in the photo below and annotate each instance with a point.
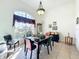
(38, 51)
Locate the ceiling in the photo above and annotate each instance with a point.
(47, 4)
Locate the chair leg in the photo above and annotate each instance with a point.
(51, 47)
(10, 46)
(48, 49)
(18, 43)
(52, 43)
(31, 55)
(26, 53)
(14, 47)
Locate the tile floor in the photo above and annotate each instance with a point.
(60, 51)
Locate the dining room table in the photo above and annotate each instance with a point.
(39, 42)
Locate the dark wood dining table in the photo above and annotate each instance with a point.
(39, 42)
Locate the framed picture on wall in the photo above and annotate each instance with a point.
(54, 23)
(54, 28)
(77, 20)
(50, 25)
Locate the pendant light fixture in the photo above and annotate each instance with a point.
(40, 10)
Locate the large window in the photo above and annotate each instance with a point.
(23, 14)
(22, 28)
(20, 13)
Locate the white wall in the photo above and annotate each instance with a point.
(77, 26)
(77, 36)
(77, 8)
(7, 8)
(64, 15)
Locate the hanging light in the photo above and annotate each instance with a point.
(40, 10)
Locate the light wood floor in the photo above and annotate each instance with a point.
(60, 51)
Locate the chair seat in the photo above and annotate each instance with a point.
(10, 43)
(55, 38)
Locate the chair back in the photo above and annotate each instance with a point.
(8, 38)
(29, 44)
